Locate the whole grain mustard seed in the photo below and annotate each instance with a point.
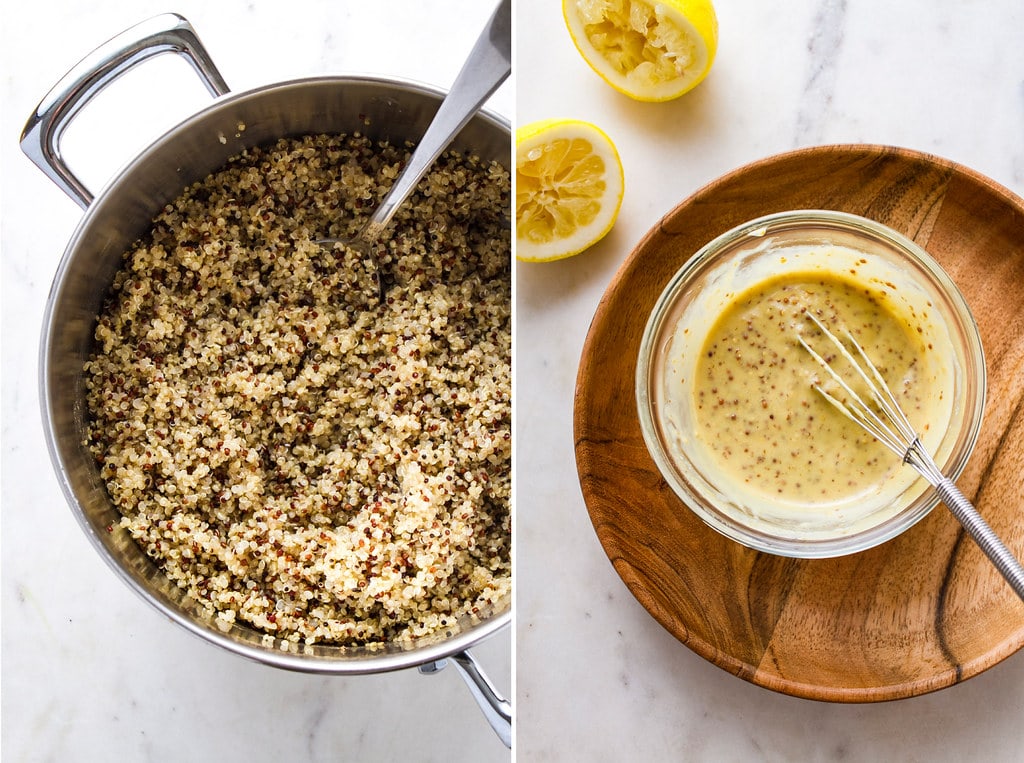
(297, 456)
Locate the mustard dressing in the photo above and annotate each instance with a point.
(756, 408)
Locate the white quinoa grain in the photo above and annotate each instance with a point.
(295, 455)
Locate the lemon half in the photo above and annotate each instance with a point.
(569, 188)
(651, 51)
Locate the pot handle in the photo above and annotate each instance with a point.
(167, 33)
(496, 709)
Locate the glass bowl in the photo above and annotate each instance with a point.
(805, 242)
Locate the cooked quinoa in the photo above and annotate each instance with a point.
(298, 456)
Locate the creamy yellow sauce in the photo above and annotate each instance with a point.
(756, 409)
(733, 390)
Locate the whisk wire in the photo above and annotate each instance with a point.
(858, 409)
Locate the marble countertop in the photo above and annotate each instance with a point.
(91, 672)
(597, 677)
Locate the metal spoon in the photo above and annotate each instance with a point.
(488, 65)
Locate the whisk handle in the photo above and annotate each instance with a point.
(985, 537)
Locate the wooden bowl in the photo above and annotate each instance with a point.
(918, 613)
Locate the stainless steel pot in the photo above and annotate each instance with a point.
(382, 109)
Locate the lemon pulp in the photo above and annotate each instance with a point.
(649, 51)
(568, 188)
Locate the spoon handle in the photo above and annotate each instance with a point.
(488, 65)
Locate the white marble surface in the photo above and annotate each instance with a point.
(597, 678)
(90, 672)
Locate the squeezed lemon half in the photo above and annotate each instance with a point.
(569, 188)
(651, 51)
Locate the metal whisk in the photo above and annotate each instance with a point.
(887, 422)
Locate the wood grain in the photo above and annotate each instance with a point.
(921, 612)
